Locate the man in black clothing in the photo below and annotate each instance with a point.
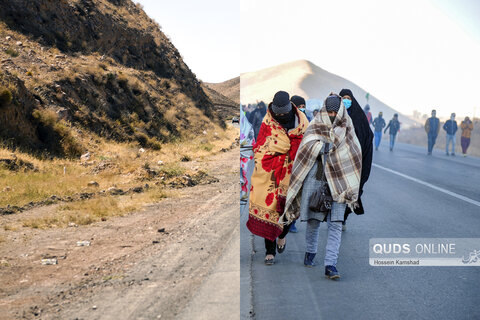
(394, 126)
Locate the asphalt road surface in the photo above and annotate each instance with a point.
(408, 195)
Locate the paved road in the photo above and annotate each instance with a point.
(442, 202)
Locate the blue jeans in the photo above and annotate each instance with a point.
(334, 236)
(450, 138)
(378, 138)
(392, 140)
(431, 141)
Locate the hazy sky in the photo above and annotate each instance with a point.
(205, 32)
(411, 54)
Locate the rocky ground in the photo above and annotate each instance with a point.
(147, 264)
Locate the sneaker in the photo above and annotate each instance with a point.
(429, 154)
(331, 272)
(452, 154)
(464, 154)
(308, 261)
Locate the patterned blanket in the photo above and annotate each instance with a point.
(343, 163)
(275, 152)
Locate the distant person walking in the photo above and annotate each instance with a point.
(365, 137)
(450, 128)
(432, 126)
(378, 125)
(368, 114)
(467, 127)
(275, 149)
(256, 117)
(394, 126)
(329, 158)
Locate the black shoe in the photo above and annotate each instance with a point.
(447, 154)
(331, 272)
(270, 262)
(453, 154)
(280, 249)
(308, 261)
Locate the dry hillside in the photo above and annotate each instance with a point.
(101, 67)
(229, 88)
(225, 107)
(308, 80)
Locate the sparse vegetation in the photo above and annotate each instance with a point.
(111, 164)
(93, 210)
(68, 95)
(5, 96)
(11, 52)
(57, 131)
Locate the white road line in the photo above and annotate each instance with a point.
(453, 194)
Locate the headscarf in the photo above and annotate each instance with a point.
(364, 135)
(343, 163)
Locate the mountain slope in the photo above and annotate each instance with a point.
(310, 81)
(223, 105)
(99, 67)
(229, 88)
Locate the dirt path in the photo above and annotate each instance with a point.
(146, 265)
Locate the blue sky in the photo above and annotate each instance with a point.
(411, 54)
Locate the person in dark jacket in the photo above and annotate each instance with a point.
(451, 128)
(300, 103)
(378, 125)
(368, 114)
(432, 126)
(365, 137)
(256, 117)
(394, 126)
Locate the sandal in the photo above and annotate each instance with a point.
(270, 261)
(280, 249)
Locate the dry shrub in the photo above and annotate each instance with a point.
(5, 96)
(55, 130)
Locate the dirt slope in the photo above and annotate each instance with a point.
(229, 88)
(101, 66)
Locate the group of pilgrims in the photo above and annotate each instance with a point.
(289, 160)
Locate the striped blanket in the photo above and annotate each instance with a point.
(343, 163)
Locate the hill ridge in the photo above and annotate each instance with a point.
(304, 78)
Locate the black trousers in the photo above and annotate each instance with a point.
(271, 246)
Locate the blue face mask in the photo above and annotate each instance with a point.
(347, 103)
